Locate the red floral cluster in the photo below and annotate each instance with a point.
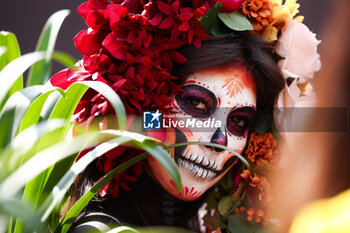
(131, 46)
(114, 158)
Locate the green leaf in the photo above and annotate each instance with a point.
(83, 201)
(10, 225)
(43, 160)
(40, 72)
(17, 106)
(61, 188)
(6, 126)
(225, 204)
(8, 41)
(236, 21)
(17, 208)
(66, 105)
(237, 223)
(64, 58)
(3, 50)
(32, 115)
(64, 110)
(220, 29)
(10, 74)
(211, 200)
(112, 97)
(12, 155)
(163, 158)
(210, 17)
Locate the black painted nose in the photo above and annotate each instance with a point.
(219, 138)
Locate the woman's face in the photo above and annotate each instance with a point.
(221, 94)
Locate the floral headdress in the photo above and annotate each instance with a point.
(132, 45)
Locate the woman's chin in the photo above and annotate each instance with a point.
(194, 184)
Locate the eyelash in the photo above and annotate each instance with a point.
(192, 98)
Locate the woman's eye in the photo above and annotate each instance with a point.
(240, 120)
(196, 104)
(197, 101)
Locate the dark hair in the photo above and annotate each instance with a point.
(240, 48)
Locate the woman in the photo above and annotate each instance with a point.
(158, 55)
(249, 60)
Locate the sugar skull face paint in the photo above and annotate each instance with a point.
(226, 94)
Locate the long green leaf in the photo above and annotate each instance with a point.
(64, 58)
(11, 156)
(163, 157)
(32, 115)
(16, 107)
(10, 74)
(43, 160)
(83, 201)
(61, 188)
(9, 41)
(17, 208)
(40, 72)
(112, 97)
(3, 50)
(64, 110)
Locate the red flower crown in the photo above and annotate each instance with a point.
(132, 48)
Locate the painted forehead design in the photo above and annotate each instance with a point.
(227, 83)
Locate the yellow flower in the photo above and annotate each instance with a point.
(281, 13)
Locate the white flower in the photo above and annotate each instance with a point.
(294, 110)
(298, 46)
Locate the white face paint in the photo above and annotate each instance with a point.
(222, 93)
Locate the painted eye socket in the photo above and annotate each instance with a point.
(197, 101)
(240, 120)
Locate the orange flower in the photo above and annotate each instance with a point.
(262, 148)
(259, 13)
(233, 86)
(260, 194)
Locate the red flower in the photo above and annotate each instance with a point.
(89, 43)
(227, 5)
(114, 158)
(134, 6)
